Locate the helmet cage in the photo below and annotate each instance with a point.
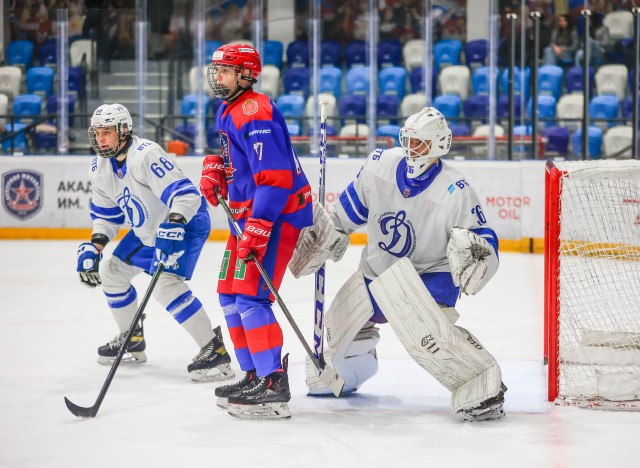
(237, 58)
(110, 115)
(430, 127)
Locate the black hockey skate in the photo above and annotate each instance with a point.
(267, 400)
(212, 362)
(488, 409)
(223, 393)
(135, 348)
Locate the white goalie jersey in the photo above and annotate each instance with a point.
(409, 219)
(140, 193)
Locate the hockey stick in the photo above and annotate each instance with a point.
(91, 411)
(318, 316)
(327, 374)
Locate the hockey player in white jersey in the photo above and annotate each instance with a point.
(428, 241)
(136, 184)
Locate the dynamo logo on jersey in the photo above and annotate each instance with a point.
(132, 208)
(22, 193)
(399, 234)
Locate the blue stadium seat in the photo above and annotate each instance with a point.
(449, 105)
(189, 104)
(546, 109)
(557, 140)
(575, 82)
(352, 107)
(40, 81)
(605, 106)
(387, 106)
(392, 80)
(550, 80)
(296, 81)
(355, 54)
(272, 53)
(517, 82)
(19, 139)
(330, 53)
(48, 53)
(27, 105)
(631, 82)
(475, 53)
(331, 81)
(213, 137)
(503, 107)
(477, 107)
(298, 54)
(188, 131)
(627, 108)
(391, 131)
(292, 108)
(459, 130)
(53, 107)
(209, 48)
(389, 53)
(294, 129)
(357, 80)
(447, 52)
(20, 53)
(594, 142)
(416, 80)
(77, 83)
(480, 80)
(45, 141)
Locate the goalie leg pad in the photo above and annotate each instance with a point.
(317, 244)
(449, 353)
(349, 345)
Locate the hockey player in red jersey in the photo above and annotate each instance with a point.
(270, 197)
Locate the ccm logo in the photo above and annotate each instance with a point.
(258, 231)
(171, 235)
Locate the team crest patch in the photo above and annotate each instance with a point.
(250, 107)
(22, 193)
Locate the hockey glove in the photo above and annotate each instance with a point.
(88, 264)
(170, 243)
(467, 253)
(213, 179)
(255, 237)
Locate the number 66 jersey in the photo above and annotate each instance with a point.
(141, 192)
(410, 217)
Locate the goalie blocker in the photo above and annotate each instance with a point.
(449, 353)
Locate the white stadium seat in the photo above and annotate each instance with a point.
(270, 81)
(412, 103)
(79, 49)
(10, 78)
(570, 106)
(328, 99)
(618, 139)
(413, 53)
(612, 79)
(619, 23)
(455, 79)
(484, 130)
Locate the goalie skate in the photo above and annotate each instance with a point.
(487, 410)
(135, 349)
(212, 362)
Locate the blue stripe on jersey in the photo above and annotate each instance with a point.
(113, 215)
(355, 200)
(180, 187)
(350, 209)
(186, 313)
(119, 300)
(489, 235)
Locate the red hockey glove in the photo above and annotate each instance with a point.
(213, 177)
(255, 237)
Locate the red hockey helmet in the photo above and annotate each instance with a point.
(239, 57)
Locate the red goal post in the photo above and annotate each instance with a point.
(592, 283)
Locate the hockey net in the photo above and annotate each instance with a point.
(592, 283)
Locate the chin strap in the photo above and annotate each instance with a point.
(126, 146)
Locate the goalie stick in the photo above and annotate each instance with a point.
(327, 374)
(91, 411)
(318, 313)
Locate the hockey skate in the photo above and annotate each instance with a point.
(267, 400)
(135, 348)
(487, 410)
(212, 362)
(223, 393)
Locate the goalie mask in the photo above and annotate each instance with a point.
(424, 138)
(227, 73)
(111, 127)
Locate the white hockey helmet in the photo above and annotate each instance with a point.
(430, 128)
(110, 115)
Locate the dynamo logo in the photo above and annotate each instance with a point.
(22, 193)
(399, 234)
(132, 208)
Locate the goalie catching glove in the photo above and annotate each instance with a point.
(468, 253)
(317, 243)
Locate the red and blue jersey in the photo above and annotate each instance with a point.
(264, 175)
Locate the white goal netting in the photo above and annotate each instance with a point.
(599, 281)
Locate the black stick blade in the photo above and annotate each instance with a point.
(80, 411)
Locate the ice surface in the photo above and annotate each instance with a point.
(154, 416)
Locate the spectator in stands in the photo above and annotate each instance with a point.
(121, 33)
(600, 42)
(388, 27)
(456, 28)
(564, 43)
